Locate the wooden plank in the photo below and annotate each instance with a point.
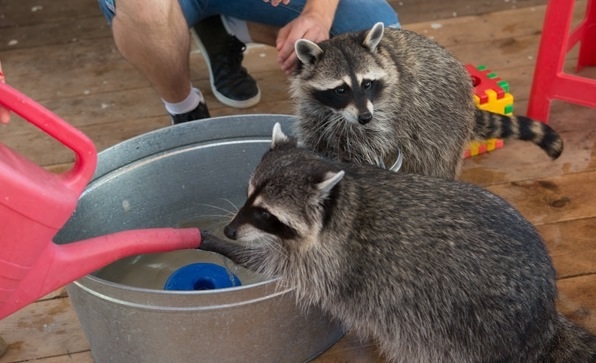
(571, 246)
(351, 349)
(512, 52)
(87, 82)
(110, 129)
(28, 12)
(415, 11)
(82, 357)
(94, 66)
(483, 28)
(487, 27)
(577, 300)
(54, 33)
(43, 329)
(85, 67)
(555, 199)
(522, 160)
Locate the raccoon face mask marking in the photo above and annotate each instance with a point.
(351, 95)
(253, 221)
(355, 104)
(274, 212)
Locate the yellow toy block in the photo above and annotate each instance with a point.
(502, 105)
(491, 94)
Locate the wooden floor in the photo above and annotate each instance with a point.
(61, 54)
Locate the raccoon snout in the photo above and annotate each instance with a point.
(364, 118)
(230, 232)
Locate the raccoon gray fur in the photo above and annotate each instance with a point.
(361, 96)
(434, 270)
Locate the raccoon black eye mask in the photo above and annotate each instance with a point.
(434, 270)
(397, 90)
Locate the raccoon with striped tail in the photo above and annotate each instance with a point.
(434, 270)
(362, 96)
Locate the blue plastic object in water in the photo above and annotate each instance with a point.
(201, 276)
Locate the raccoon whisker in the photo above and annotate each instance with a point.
(345, 136)
(327, 129)
(222, 216)
(321, 130)
(273, 244)
(236, 209)
(228, 212)
(340, 129)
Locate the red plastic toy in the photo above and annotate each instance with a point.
(484, 80)
(35, 204)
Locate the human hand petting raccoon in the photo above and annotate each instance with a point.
(314, 23)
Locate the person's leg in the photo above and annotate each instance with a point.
(351, 15)
(153, 36)
(357, 15)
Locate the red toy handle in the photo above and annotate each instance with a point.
(84, 149)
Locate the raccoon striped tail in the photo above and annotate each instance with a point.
(494, 125)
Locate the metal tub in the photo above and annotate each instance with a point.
(174, 177)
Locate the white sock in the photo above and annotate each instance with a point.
(188, 104)
(237, 27)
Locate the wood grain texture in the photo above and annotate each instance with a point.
(61, 54)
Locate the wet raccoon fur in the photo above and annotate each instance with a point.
(361, 96)
(434, 270)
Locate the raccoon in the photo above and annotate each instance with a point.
(362, 96)
(434, 270)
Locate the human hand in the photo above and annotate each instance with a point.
(277, 2)
(311, 26)
(4, 112)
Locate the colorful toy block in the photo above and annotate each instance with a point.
(491, 93)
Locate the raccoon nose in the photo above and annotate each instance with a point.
(230, 232)
(364, 118)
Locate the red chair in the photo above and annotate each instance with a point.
(550, 82)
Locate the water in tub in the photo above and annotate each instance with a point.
(151, 271)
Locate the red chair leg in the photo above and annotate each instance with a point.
(587, 50)
(557, 39)
(551, 57)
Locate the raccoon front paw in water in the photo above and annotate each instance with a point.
(212, 243)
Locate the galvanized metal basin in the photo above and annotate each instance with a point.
(178, 176)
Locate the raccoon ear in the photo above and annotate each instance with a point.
(307, 51)
(278, 137)
(374, 36)
(330, 181)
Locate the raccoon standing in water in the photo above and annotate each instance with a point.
(434, 270)
(361, 96)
